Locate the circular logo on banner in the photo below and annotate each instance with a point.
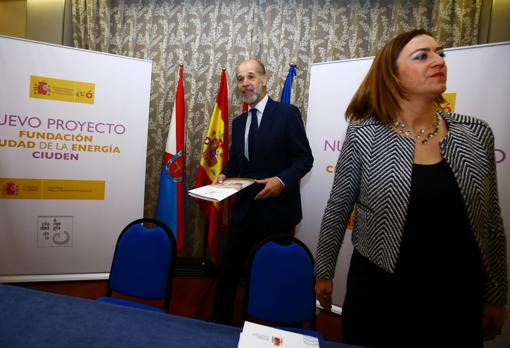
(175, 167)
(500, 155)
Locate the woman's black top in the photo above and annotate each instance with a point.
(434, 297)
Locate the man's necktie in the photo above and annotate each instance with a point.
(252, 136)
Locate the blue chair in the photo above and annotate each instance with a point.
(281, 289)
(143, 265)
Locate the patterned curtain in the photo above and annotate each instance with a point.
(206, 35)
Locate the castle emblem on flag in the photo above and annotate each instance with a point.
(174, 167)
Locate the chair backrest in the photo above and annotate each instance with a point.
(144, 261)
(281, 283)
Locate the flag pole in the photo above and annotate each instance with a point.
(206, 263)
(213, 157)
(170, 207)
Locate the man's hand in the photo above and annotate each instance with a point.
(493, 318)
(323, 291)
(273, 187)
(219, 179)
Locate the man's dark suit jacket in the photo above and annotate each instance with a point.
(282, 150)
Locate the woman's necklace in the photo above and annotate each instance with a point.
(403, 129)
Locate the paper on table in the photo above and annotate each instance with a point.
(261, 336)
(219, 192)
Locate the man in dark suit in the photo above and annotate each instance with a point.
(269, 144)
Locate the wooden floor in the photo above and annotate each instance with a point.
(191, 297)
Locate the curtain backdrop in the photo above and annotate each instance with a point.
(208, 35)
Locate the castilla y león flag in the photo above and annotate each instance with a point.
(214, 157)
(172, 183)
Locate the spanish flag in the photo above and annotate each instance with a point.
(172, 182)
(214, 157)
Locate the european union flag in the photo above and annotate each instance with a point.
(287, 87)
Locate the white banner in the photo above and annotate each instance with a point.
(479, 85)
(73, 142)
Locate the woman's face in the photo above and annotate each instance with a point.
(421, 68)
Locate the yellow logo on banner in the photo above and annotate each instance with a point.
(449, 106)
(18, 188)
(62, 90)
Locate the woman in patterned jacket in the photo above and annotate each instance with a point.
(429, 261)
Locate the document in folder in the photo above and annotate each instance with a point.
(218, 192)
(261, 336)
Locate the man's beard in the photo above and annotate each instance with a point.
(254, 96)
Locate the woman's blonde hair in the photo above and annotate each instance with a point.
(380, 93)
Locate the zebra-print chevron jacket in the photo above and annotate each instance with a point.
(373, 174)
